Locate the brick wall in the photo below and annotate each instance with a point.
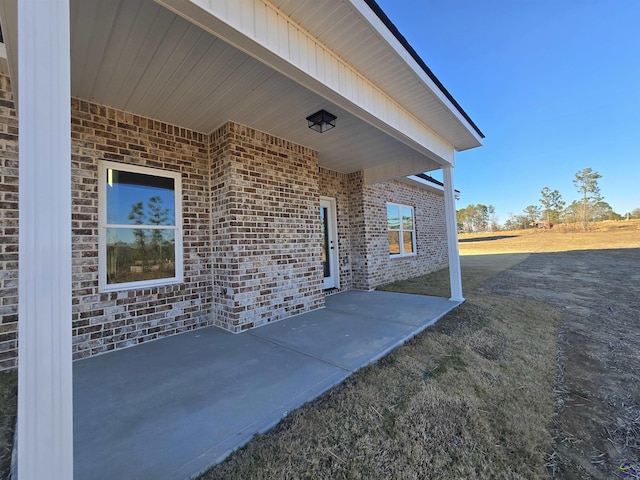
(251, 229)
(103, 322)
(370, 244)
(266, 228)
(361, 253)
(107, 321)
(336, 185)
(8, 227)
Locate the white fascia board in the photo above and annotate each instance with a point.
(262, 31)
(427, 185)
(394, 43)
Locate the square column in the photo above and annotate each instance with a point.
(45, 408)
(455, 276)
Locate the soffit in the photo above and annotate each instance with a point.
(343, 29)
(137, 56)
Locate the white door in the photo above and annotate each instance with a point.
(329, 242)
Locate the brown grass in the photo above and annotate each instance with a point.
(471, 397)
(604, 235)
(8, 407)
(475, 271)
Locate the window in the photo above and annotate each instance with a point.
(401, 229)
(140, 220)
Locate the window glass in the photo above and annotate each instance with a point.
(401, 230)
(326, 264)
(394, 243)
(407, 218)
(137, 254)
(407, 242)
(139, 199)
(393, 217)
(140, 236)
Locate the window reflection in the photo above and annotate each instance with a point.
(394, 243)
(407, 218)
(140, 254)
(393, 217)
(140, 227)
(401, 229)
(139, 199)
(407, 242)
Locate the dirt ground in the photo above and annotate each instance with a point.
(596, 287)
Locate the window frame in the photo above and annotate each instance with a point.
(103, 286)
(402, 230)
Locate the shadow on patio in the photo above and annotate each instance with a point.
(171, 408)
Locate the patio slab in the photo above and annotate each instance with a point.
(356, 328)
(171, 408)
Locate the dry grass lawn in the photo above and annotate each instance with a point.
(605, 235)
(8, 407)
(532, 377)
(470, 398)
(488, 392)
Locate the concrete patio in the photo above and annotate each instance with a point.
(171, 408)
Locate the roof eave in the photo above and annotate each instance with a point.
(427, 183)
(389, 32)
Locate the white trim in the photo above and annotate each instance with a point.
(335, 255)
(455, 274)
(426, 184)
(45, 376)
(402, 52)
(103, 166)
(402, 254)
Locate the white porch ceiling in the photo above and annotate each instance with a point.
(137, 56)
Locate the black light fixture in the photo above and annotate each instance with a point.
(322, 121)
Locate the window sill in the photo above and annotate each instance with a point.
(403, 255)
(120, 287)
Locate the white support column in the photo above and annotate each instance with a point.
(45, 409)
(455, 276)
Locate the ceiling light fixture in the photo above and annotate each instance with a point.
(322, 121)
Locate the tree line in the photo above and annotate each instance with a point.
(552, 209)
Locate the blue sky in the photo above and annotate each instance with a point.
(553, 84)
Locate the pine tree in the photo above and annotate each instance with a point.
(586, 181)
(552, 205)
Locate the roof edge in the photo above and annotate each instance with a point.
(429, 178)
(427, 182)
(403, 41)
